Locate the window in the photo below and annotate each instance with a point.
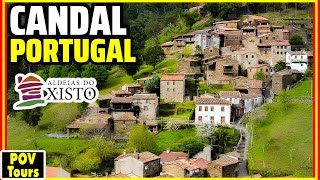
(168, 83)
(200, 108)
(267, 70)
(211, 118)
(247, 56)
(301, 57)
(200, 118)
(145, 108)
(206, 108)
(277, 47)
(295, 57)
(278, 52)
(252, 56)
(173, 89)
(223, 120)
(212, 108)
(301, 64)
(173, 83)
(222, 109)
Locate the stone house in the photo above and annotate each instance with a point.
(133, 88)
(124, 122)
(189, 67)
(148, 105)
(212, 111)
(138, 165)
(250, 43)
(265, 68)
(120, 93)
(182, 168)
(226, 24)
(247, 86)
(208, 52)
(272, 52)
(168, 47)
(99, 120)
(122, 105)
(172, 88)
(267, 38)
(225, 166)
(282, 79)
(254, 20)
(283, 34)
(231, 37)
(167, 156)
(220, 70)
(299, 60)
(56, 172)
(245, 58)
(249, 31)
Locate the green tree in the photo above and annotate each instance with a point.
(88, 162)
(198, 49)
(225, 137)
(99, 72)
(296, 40)
(308, 72)
(284, 100)
(259, 75)
(187, 50)
(153, 55)
(280, 65)
(191, 145)
(141, 139)
(152, 84)
(31, 116)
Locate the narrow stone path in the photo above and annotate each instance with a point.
(242, 149)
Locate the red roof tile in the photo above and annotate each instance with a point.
(143, 157)
(172, 78)
(52, 172)
(255, 17)
(200, 162)
(171, 156)
(217, 101)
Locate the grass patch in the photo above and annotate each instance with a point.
(163, 67)
(283, 141)
(117, 78)
(205, 22)
(177, 111)
(301, 90)
(273, 16)
(214, 89)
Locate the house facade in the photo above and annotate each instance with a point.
(298, 60)
(124, 122)
(138, 165)
(148, 105)
(225, 166)
(282, 79)
(265, 68)
(182, 168)
(220, 70)
(245, 58)
(172, 88)
(212, 111)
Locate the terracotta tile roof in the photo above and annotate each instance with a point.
(255, 17)
(120, 92)
(226, 22)
(167, 44)
(143, 157)
(280, 43)
(184, 164)
(234, 154)
(200, 162)
(151, 123)
(229, 94)
(52, 172)
(132, 85)
(258, 66)
(172, 156)
(250, 96)
(226, 161)
(172, 78)
(217, 101)
(255, 84)
(121, 100)
(125, 117)
(145, 97)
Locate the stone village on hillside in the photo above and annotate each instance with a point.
(233, 52)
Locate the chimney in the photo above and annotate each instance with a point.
(168, 150)
(124, 152)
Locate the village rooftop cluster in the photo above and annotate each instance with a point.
(232, 53)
